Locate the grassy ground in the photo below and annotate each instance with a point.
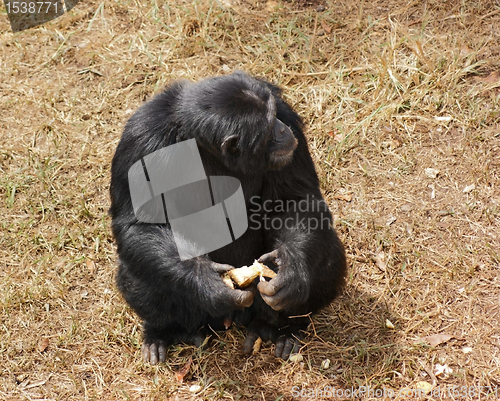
(401, 101)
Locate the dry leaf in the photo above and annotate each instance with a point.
(433, 190)
(465, 51)
(344, 197)
(184, 371)
(431, 172)
(396, 143)
(426, 387)
(407, 207)
(339, 137)
(326, 28)
(43, 343)
(490, 79)
(437, 339)
(390, 220)
(271, 6)
(380, 261)
(469, 188)
(27, 384)
(90, 265)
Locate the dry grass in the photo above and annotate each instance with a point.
(388, 89)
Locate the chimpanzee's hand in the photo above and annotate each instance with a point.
(243, 298)
(271, 257)
(240, 298)
(275, 293)
(284, 290)
(220, 267)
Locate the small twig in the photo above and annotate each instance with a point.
(415, 22)
(312, 39)
(357, 258)
(491, 14)
(85, 70)
(431, 374)
(304, 74)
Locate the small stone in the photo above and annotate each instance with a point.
(195, 388)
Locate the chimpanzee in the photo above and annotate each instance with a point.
(244, 129)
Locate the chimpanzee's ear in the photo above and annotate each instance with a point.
(230, 145)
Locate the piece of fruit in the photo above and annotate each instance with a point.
(244, 275)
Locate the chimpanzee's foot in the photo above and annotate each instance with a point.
(287, 340)
(156, 342)
(154, 352)
(289, 343)
(258, 328)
